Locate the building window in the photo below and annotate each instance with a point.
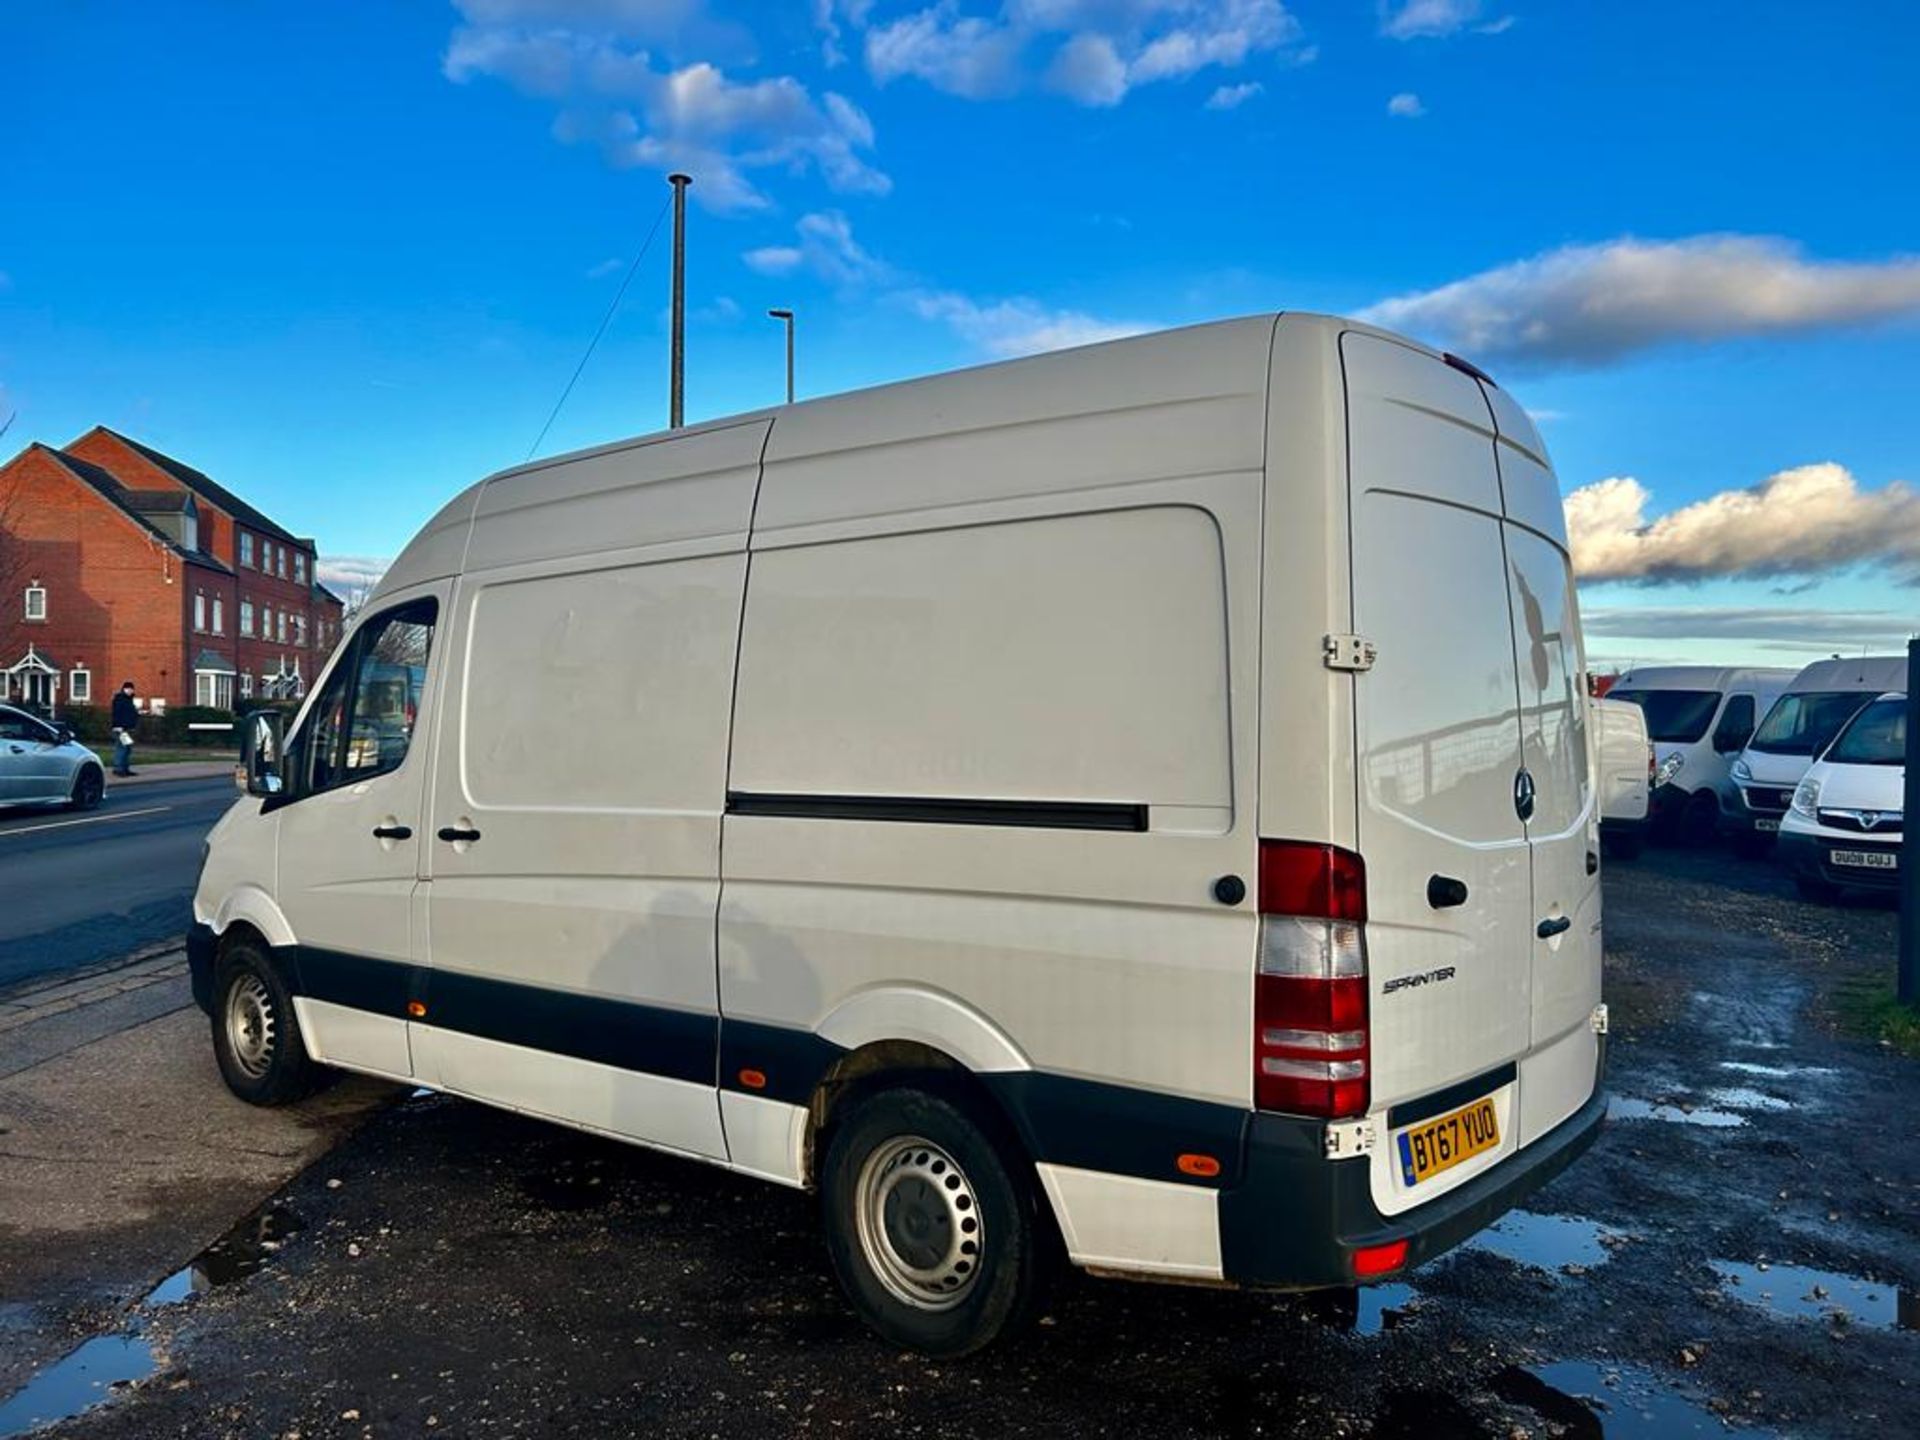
(300, 630)
(219, 616)
(36, 602)
(246, 549)
(246, 617)
(266, 622)
(281, 626)
(80, 686)
(213, 689)
(299, 568)
(283, 562)
(200, 613)
(246, 686)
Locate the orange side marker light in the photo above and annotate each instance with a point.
(416, 1008)
(753, 1079)
(1204, 1166)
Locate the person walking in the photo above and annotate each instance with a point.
(126, 719)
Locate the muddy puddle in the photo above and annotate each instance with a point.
(93, 1372)
(1626, 1107)
(1584, 1401)
(1567, 1244)
(1366, 1312)
(1778, 1072)
(1799, 1292)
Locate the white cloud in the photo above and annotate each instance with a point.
(1419, 18)
(1406, 106)
(1232, 97)
(1585, 304)
(774, 259)
(613, 93)
(1807, 521)
(348, 575)
(1018, 326)
(609, 266)
(825, 246)
(1093, 51)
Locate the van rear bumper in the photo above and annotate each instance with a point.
(1296, 1218)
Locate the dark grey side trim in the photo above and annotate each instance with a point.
(939, 810)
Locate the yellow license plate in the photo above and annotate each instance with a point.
(1426, 1150)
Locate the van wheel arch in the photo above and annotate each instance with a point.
(889, 1064)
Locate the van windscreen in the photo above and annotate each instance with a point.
(1877, 736)
(1803, 724)
(1675, 717)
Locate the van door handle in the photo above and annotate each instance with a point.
(1549, 928)
(452, 833)
(393, 832)
(1444, 892)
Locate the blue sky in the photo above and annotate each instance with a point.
(345, 257)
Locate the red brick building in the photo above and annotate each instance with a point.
(120, 563)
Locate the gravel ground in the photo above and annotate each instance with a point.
(1737, 1253)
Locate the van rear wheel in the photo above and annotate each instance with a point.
(934, 1226)
(256, 1036)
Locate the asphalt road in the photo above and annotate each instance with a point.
(76, 889)
(1740, 1253)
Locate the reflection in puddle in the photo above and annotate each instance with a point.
(1625, 1107)
(81, 1380)
(1550, 1242)
(86, 1376)
(1366, 1311)
(234, 1256)
(1744, 1098)
(1777, 1072)
(1620, 1402)
(1803, 1293)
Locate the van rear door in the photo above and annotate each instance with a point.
(1449, 887)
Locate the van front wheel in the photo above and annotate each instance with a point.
(934, 1228)
(256, 1037)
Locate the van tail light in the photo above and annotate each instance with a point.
(1310, 1042)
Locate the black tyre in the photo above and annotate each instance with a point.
(256, 1037)
(1821, 892)
(935, 1223)
(88, 786)
(1700, 819)
(1752, 844)
(1625, 846)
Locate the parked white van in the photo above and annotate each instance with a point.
(1700, 718)
(1131, 802)
(1624, 764)
(1801, 724)
(1844, 825)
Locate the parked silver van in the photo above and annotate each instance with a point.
(1130, 804)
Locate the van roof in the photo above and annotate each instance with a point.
(1057, 384)
(1702, 677)
(1861, 672)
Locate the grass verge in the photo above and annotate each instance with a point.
(1869, 1009)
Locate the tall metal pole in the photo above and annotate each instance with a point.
(1909, 852)
(786, 316)
(677, 397)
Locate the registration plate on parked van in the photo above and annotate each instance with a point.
(1766, 824)
(1426, 1150)
(1867, 859)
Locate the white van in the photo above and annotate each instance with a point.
(1801, 724)
(1131, 802)
(1624, 764)
(1844, 825)
(1700, 718)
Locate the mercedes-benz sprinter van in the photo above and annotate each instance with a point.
(1802, 722)
(1130, 803)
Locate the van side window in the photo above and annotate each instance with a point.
(363, 722)
(1736, 725)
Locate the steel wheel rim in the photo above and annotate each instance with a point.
(252, 1028)
(919, 1223)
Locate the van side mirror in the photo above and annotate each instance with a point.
(262, 741)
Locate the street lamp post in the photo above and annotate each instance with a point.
(786, 318)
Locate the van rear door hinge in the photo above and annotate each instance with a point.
(1346, 1139)
(1348, 652)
